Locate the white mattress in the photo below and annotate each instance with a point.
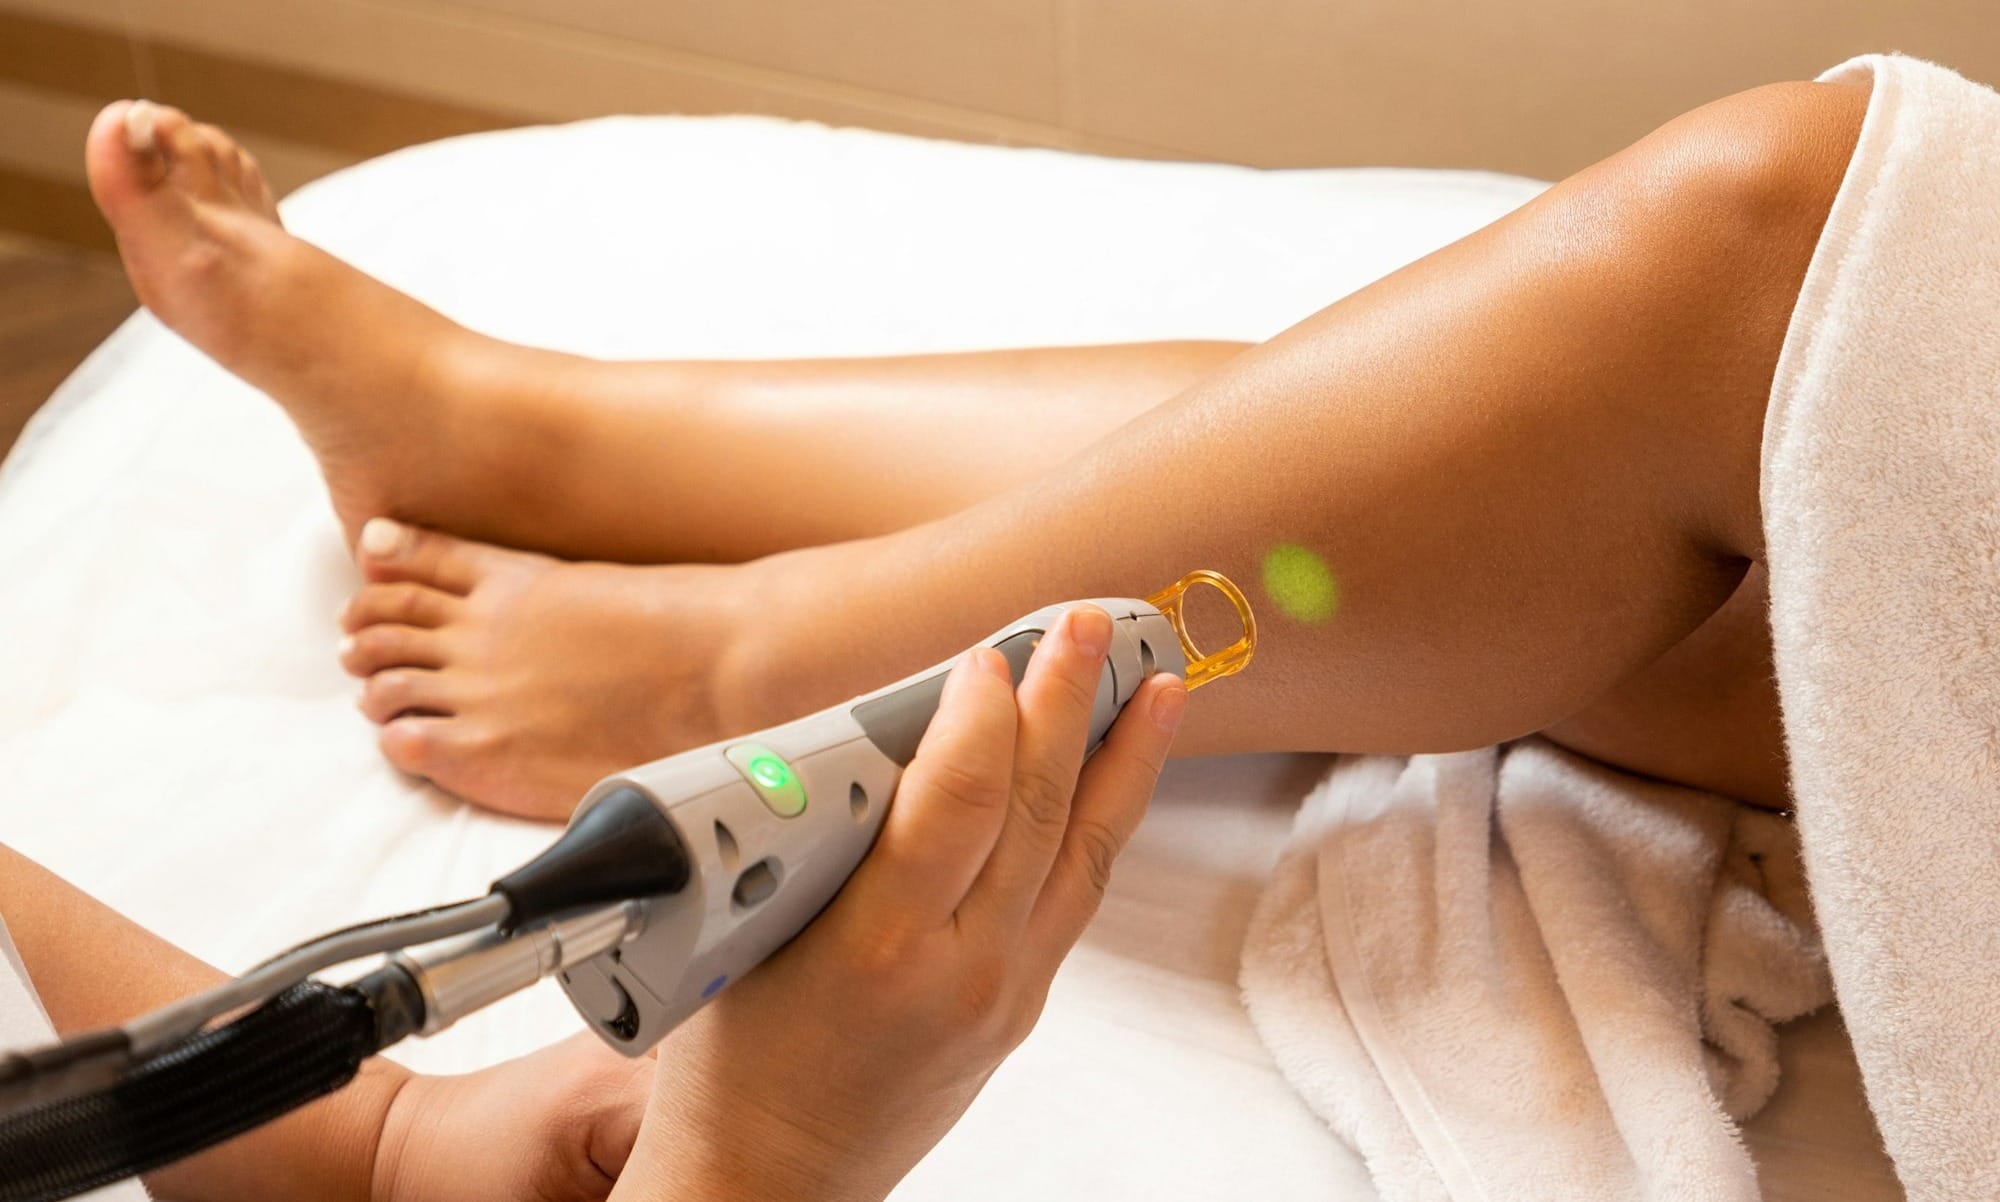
(176, 738)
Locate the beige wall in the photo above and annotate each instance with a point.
(1535, 86)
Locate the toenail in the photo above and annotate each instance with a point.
(382, 538)
(139, 126)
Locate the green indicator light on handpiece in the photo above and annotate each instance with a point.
(770, 771)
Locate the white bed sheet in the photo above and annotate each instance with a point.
(176, 738)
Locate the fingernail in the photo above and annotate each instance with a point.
(954, 680)
(1090, 629)
(382, 538)
(139, 127)
(993, 663)
(346, 645)
(1169, 706)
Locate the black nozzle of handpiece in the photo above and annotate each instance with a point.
(622, 848)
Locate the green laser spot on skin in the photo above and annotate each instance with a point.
(1300, 583)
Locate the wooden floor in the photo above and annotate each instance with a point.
(55, 305)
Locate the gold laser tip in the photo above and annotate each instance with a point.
(1203, 667)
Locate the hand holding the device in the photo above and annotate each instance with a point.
(829, 1071)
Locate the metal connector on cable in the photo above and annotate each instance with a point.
(464, 975)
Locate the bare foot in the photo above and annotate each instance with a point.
(348, 357)
(516, 681)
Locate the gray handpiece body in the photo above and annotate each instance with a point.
(765, 857)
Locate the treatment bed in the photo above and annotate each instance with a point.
(176, 738)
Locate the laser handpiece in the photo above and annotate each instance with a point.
(770, 826)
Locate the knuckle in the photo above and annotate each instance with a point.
(1081, 686)
(1020, 1023)
(1043, 795)
(1097, 849)
(882, 958)
(980, 994)
(958, 784)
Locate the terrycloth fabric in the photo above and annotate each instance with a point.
(1882, 515)
(1510, 974)
(1516, 974)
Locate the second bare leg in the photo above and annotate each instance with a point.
(415, 417)
(728, 461)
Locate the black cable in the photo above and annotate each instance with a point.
(115, 1104)
(304, 1044)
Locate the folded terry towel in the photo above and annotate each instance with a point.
(1513, 974)
(1882, 519)
(1516, 974)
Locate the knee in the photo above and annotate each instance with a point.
(1691, 247)
(1752, 174)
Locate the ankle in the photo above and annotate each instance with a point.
(801, 643)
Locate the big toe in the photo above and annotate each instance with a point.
(123, 153)
(390, 551)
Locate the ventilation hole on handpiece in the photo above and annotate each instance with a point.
(726, 849)
(857, 801)
(1145, 658)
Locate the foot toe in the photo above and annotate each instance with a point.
(197, 157)
(401, 603)
(417, 745)
(450, 752)
(123, 155)
(394, 551)
(394, 692)
(390, 645)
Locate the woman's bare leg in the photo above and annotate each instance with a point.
(415, 417)
(1530, 461)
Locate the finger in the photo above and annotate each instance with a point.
(952, 801)
(1055, 698)
(1111, 797)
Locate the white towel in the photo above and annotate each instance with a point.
(1882, 519)
(1513, 974)
(1517, 974)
